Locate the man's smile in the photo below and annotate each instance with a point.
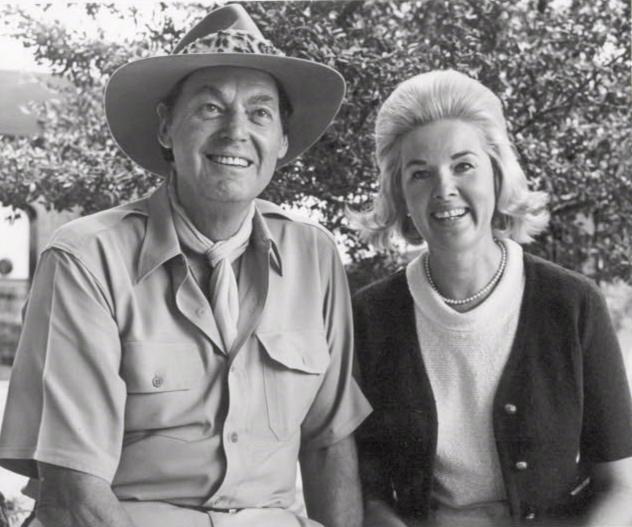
(232, 161)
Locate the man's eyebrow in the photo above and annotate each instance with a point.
(262, 98)
(259, 98)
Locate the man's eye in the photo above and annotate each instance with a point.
(210, 108)
(262, 113)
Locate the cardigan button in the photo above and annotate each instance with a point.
(511, 408)
(521, 465)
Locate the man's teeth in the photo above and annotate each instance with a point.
(230, 160)
(452, 213)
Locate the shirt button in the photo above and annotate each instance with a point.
(234, 437)
(510, 408)
(522, 465)
(157, 381)
(530, 516)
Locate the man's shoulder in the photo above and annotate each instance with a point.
(121, 222)
(278, 217)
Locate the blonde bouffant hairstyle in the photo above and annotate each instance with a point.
(446, 94)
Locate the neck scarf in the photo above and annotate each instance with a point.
(222, 287)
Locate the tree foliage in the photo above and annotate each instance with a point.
(561, 68)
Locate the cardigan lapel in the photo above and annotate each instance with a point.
(416, 387)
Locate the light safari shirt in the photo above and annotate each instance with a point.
(119, 374)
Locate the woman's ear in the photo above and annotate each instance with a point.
(164, 138)
(498, 178)
(500, 221)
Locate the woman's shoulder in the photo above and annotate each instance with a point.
(550, 278)
(383, 290)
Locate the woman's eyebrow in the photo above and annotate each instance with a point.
(461, 154)
(415, 162)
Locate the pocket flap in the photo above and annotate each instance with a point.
(304, 350)
(153, 367)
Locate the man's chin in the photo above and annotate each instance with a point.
(229, 195)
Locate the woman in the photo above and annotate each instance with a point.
(497, 383)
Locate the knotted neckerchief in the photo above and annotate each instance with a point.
(222, 287)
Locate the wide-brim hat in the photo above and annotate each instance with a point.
(225, 37)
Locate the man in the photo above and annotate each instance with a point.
(181, 352)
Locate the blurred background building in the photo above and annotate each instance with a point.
(23, 233)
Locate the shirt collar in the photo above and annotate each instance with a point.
(262, 237)
(161, 241)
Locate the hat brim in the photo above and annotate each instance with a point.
(134, 90)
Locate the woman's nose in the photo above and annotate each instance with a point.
(445, 186)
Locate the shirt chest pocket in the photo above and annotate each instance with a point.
(293, 366)
(163, 380)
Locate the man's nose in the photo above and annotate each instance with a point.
(445, 185)
(235, 126)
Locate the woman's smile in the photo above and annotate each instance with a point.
(450, 214)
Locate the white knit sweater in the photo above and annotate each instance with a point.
(464, 355)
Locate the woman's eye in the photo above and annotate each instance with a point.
(463, 166)
(420, 174)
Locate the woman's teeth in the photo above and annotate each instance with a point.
(449, 214)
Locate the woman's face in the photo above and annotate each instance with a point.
(448, 185)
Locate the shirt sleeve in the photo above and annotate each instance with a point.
(339, 406)
(607, 424)
(66, 400)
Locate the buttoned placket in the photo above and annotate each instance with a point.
(253, 291)
(515, 463)
(194, 305)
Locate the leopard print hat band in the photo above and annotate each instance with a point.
(233, 41)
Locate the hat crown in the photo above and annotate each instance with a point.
(229, 17)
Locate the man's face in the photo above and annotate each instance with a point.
(225, 134)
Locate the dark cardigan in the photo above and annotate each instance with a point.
(563, 399)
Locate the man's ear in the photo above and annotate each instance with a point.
(284, 146)
(163, 125)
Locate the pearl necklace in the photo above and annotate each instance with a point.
(482, 292)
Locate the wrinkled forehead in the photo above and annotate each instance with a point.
(223, 81)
